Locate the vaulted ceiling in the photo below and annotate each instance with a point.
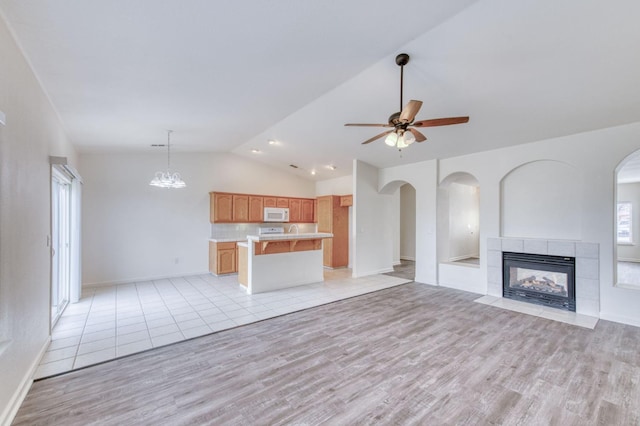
(229, 76)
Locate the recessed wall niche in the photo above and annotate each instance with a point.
(459, 219)
(542, 199)
(627, 227)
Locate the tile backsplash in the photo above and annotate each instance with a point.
(241, 230)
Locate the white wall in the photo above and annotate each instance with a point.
(339, 186)
(407, 222)
(133, 231)
(595, 155)
(423, 177)
(372, 231)
(539, 200)
(32, 133)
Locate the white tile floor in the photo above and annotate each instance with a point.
(113, 321)
(540, 311)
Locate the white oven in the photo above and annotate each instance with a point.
(276, 214)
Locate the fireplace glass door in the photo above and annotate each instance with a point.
(540, 279)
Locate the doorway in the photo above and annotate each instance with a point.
(60, 243)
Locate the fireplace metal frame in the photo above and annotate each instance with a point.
(561, 264)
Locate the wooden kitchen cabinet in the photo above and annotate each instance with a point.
(346, 200)
(256, 208)
(295, 210)
(221, 207)
(334, 218)
(246, 208)
(307, 208)
(240, 208)
(270, 201)
(222, 258)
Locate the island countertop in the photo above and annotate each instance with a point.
(290, 236)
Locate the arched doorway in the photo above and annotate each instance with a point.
(404, 226)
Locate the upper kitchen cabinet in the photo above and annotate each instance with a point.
(247, 208)
(240, 208)
(281, 202)
(221, 207)
(295, 210)
(256, 208)
(307, 207)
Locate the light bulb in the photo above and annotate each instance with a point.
(409, 138)
(401, 142)
(391, 139)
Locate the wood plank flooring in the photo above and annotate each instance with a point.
(413, 354)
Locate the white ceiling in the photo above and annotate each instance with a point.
(229, 76)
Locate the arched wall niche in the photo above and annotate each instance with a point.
(627, 222)
(542, 199)
(458, 216)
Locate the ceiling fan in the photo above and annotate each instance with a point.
(404, 132)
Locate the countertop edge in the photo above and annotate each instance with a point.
(285, 237)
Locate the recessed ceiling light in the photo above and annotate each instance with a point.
(331, 167)
(272, 142)
(255, 151)
(313, 172)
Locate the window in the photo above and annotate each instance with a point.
(625, 235)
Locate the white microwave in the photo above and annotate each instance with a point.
(276, 214)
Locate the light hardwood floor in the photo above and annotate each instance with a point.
(412, 354)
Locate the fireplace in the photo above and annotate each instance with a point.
(541, 279)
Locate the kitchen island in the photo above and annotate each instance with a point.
(276, 261)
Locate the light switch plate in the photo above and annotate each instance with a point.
(3, 118)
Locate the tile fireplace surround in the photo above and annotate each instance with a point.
(587, 266)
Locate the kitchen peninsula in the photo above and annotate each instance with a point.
(274, 261)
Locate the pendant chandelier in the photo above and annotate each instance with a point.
(167, 179)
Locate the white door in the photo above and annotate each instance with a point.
(60, 243)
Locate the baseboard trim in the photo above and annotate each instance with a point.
(413, 259)
(140, 279)
(21, 392)
(630, 260)
(620, 319)
(471, 256)
(379, 271)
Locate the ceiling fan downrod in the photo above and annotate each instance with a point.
(402, 59)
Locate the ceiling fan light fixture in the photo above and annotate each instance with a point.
(409, 138)
(401, 143)
(392, 139)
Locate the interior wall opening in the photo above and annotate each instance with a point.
(459, 220)
(627, 222)
(403, 218)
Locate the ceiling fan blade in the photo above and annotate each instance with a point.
(441, 121)
(409, 112)
(419, 136)
(368, 125)
(377, 137)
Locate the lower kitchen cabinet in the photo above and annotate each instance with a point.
(222, 258)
